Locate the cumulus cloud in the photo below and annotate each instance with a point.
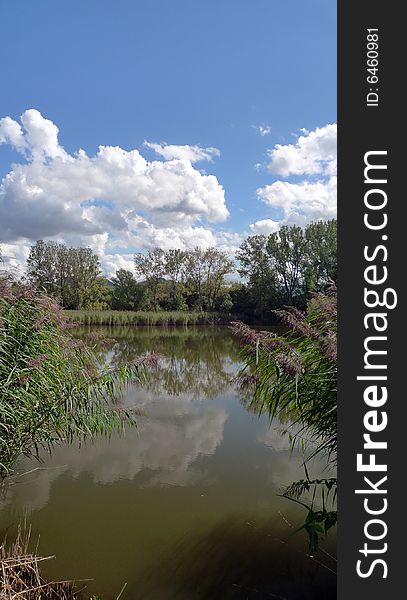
(302, 202)
(115, 198)
(111, 263)
(311, 193)
(11, 133)
(38, 138)
(314, 153)
(265, 226)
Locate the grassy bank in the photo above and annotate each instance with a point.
(163, 318)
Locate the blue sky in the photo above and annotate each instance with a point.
(182, 73)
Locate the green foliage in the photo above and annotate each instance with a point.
(321, 256)
(284, 267)
(174, 270)
(318, 522)
(52, 388)
(127, 294)
(151, 268)
(286, 250)
(204, 274)
(180, 280)
(294, 376)
(71, 274)
(279, 269)
(97, 296)
(256, 268)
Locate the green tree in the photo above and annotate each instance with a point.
(255, 267)
(127, 293)
(284, 267)
(71, 274)
(321, 254)
(151, 267)
(84, 271)
(205, 272)
(42, 266)
(195, 276)
(174, 270)
(98, 295)
(217, 265)
(286, 250)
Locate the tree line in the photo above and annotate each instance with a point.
(283, 268)
(162, 280)
(275, 270)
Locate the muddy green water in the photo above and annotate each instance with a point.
(184, 507)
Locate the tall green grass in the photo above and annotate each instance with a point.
(295, 376)
(149, 318)
(52, 388)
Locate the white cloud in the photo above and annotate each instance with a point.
(265, 227)
(263, 129)
(57, 194)
(114, 199)
(113, 262)
(191, 153)
(311, 198)
(41, 136)
(37, 139)
(305, 201)
(314, 153)
(12, 133)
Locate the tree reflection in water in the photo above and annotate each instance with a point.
(200, 362)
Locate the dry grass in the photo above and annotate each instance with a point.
(20, 574)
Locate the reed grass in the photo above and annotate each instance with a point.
(295, 375)
(52, 388)
(144, 318)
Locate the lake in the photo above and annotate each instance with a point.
(186, 506)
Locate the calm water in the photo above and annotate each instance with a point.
(184, 507)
